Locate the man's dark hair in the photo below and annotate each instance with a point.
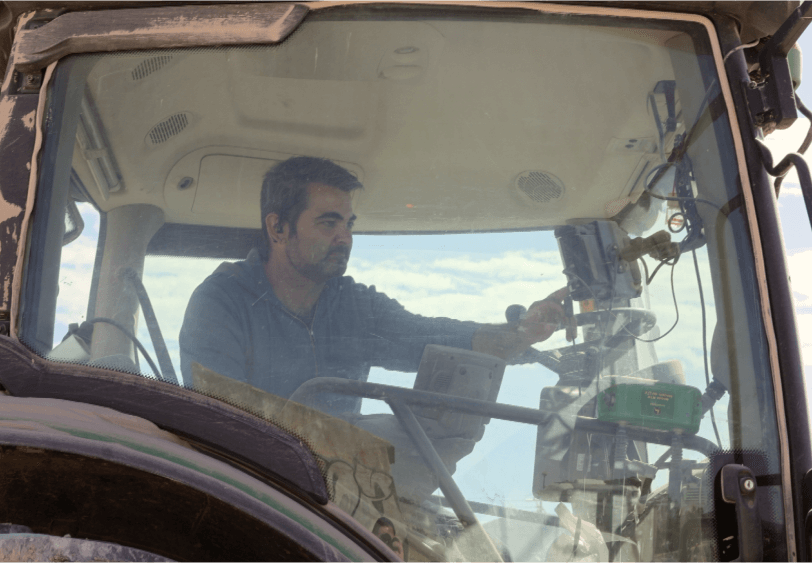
(284, 189)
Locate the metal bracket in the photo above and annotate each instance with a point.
(770, 95)
(26, 83)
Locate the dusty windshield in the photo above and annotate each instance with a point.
(493, 267)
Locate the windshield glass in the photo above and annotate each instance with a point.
(492, 265)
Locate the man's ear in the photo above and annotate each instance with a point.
(276, 232)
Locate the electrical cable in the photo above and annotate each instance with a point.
(615, 317)
(804, 146)
(739, 48)
(654, 273)
(645, 269)
(705, 344)
(673, 198)
(132, 337)
(676, 305)
(686, 141)
(678, 153)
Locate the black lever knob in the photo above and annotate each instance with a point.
(514, 313)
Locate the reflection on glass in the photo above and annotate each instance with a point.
(507, 303)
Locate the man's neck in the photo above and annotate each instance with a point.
(296, 292)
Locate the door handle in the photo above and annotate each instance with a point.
(739, 488)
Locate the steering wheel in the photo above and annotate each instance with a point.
(635, 321)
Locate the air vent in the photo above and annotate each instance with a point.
(442, 382)
(539, 187)
(148, 66)
(168, 128)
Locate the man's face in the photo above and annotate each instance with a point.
(321, 247)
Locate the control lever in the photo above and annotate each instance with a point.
(517, 313)
(739, 488)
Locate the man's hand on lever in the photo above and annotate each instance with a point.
(540, 321)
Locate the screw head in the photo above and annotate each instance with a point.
(748, 485)
(752, 85)
(185, 182)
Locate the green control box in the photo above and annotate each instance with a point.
(664, 406)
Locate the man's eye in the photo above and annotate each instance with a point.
(330, 224)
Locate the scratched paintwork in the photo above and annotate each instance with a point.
(36, 547)
(82, 32)
(17, 135)
(16, 146)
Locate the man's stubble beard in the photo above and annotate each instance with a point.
(321, 271)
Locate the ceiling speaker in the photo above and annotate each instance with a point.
(538, 186)
(168, 128)
(150, 65)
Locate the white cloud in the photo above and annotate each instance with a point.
(798, 262)
(786, 141)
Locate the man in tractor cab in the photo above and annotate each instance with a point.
(287, 313)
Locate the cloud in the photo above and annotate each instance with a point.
(798, 263)
(786, 141)
(478, 288)
(790, 189)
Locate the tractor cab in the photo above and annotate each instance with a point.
(504, 153)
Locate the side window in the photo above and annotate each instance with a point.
(169, 282)
(81, 241)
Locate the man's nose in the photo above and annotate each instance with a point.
(344, 236)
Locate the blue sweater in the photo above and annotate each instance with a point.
(236, 326)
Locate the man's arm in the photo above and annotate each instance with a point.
(539, 323)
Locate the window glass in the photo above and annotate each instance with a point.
(494, 267)
(75, 275)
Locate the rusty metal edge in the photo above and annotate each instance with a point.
(146, 28)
